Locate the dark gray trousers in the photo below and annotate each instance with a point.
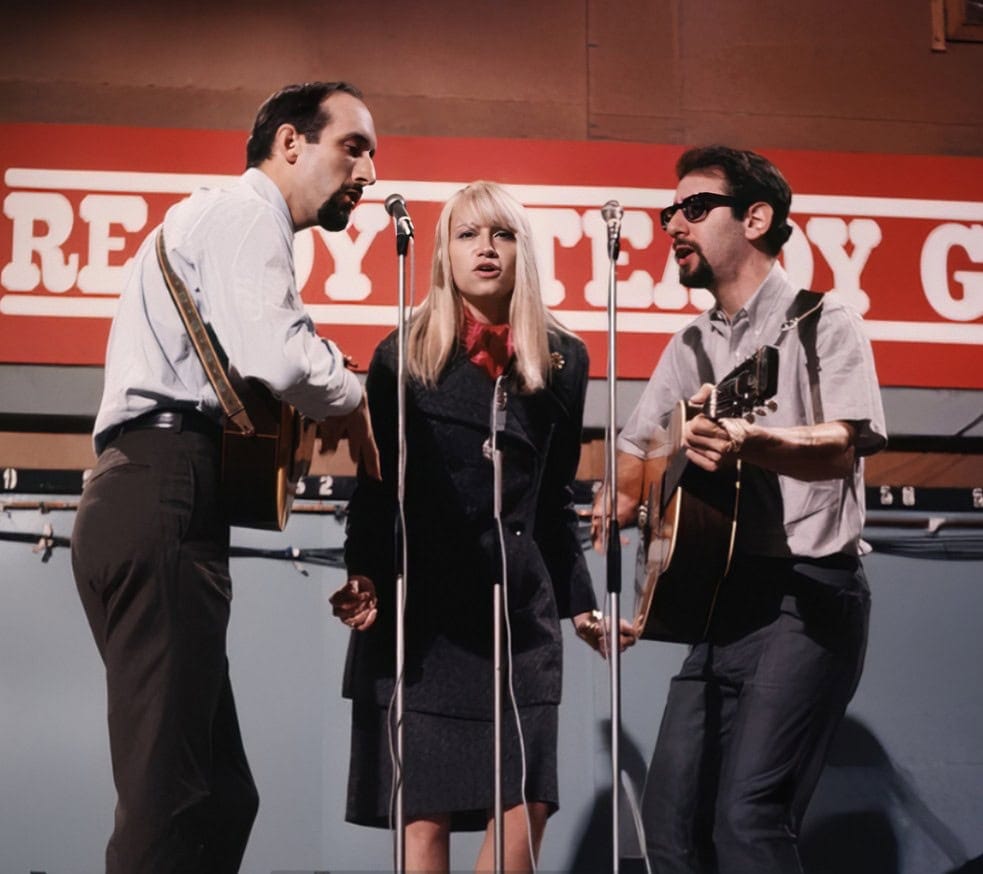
(751, 715)
(150, 555)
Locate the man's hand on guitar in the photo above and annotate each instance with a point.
(594, 630)
(355, 603)
(713, 444)
(357, 428)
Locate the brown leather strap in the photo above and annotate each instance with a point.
(805, 304)
(232, 405)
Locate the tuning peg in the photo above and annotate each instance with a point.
(772, 405)
(749, 418)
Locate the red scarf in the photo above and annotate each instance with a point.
(488, 346)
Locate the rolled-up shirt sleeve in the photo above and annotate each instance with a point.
(255, 309)
(847, 383)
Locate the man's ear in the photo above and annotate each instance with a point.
(757, 220)
(286, 142)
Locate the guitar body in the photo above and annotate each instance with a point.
(687, 541)
(688, 524)
(260, 471)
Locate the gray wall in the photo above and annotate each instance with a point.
(903, 792)
(37, 392)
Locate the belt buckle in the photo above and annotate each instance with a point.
(169, 420)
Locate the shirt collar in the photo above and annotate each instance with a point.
(771, 291)
(269, 191)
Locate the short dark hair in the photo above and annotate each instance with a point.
(299, 105)
(750, 178)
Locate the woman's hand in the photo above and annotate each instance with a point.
(355, 603)
(593, 629)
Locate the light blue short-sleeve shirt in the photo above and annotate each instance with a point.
(825, 374)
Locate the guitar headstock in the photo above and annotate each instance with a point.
(747, 388)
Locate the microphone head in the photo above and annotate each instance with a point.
(612, 211)
(396, 207)
(393, 201)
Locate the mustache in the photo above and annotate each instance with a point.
(353, 192)
(692, 245)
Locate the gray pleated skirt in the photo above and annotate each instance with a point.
(449, 765)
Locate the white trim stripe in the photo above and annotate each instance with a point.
(54, 305)
(586, 321)
(531, 195)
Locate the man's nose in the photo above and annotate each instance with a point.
(364, 173)
(677, 224)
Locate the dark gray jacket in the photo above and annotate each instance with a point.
(452, 539)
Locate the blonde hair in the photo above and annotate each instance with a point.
(435, 326)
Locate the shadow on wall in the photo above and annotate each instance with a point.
(867, 816)
(864, 815)
(593, 853)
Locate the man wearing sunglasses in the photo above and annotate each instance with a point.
(750, 716)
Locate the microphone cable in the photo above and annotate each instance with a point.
(507, 622)
(511, 692)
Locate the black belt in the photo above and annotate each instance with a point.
(169, 420)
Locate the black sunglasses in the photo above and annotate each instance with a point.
(695, 207)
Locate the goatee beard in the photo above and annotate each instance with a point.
(701, 276)
(334, 213)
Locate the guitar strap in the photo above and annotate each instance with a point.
(805, 304)
(232, 406)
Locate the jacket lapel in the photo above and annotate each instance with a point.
(466, 396)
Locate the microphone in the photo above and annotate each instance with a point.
(612, 212)
(396, 207)
(490, 448)
(496, 422)
(499, 399)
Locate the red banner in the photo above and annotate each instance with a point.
(901, 237)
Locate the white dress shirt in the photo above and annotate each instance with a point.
(233, 248)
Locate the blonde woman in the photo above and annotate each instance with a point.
(482, 319)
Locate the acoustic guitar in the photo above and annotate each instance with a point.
(260, 471)
(267, 446)
(688, 523)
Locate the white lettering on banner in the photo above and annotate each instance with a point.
(669, 293)
(635, 291)
(797, 258)
(563, 226)
(843, 230)
(830, 236)
(346, 281)
(29, 211)
(934, 269)
(102, 211)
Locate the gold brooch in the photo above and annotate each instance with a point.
(557, 361)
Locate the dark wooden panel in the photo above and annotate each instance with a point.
(813, 74)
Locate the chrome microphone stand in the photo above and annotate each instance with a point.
(498, 601)
(612, 213)
(396, 207)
